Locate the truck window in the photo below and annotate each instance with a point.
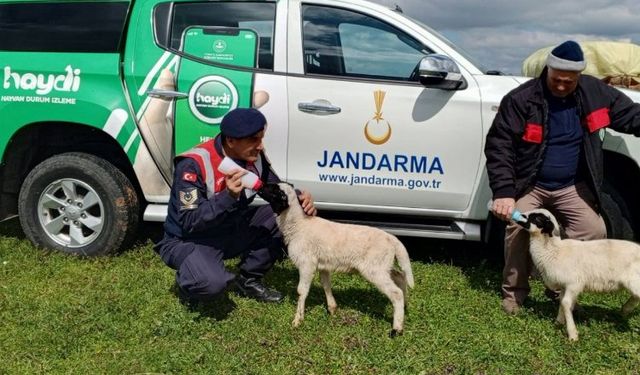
(259, 17)
(340, 42)
(62, 27)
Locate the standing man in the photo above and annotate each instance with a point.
(544, 150)
(210, 219)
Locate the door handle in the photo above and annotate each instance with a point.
(319, 107)
(166, 94)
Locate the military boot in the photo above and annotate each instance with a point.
(252, 287)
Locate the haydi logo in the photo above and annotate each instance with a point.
(43, 84)
(211, 97)
(384, 132)
(224, 99)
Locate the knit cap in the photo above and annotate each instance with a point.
(567, 56)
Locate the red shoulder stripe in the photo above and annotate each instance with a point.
(598, 119)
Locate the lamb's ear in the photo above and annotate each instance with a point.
(278, 201)
(267, 191)
(548, 227)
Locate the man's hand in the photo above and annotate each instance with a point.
(234, 183)
(306, 201)
(503, 208)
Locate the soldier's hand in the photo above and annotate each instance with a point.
(306, 201)
(503, 208)
(234, 182)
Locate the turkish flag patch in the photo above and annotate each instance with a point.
(189, 176)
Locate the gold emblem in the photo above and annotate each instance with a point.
(188, 199)
(378, 96)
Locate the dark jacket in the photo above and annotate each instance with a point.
(207, 217)
(516, 141)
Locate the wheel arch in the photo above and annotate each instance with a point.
(623, 174)
(36, 142)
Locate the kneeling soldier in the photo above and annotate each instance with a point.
(210, 219)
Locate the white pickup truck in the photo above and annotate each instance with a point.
(379, 116)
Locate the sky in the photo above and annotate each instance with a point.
(500, 34)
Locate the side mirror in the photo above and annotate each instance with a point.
(440, 72)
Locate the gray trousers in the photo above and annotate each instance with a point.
(573, 206)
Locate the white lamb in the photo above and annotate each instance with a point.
(318, 244)
(574, 266)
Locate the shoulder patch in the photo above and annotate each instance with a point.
(188, 199)
(190, 176)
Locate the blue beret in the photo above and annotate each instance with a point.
(242, 122)
(567, 56)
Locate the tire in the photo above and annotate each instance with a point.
(494, 242)
(616, 214)
(79, 204)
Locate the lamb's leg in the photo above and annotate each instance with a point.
(306, 277)
(634, 288)
(560, 318)
(567, 301)
(400, 280)
(325, 279)
(382, 280)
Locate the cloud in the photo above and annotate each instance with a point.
(501, 34)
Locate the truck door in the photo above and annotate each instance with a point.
(212, 90)
(363, 131)
(194, 62)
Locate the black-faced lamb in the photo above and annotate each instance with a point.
(574, 266)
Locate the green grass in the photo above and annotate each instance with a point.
(119, 314)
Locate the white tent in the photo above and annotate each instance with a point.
(617, 63)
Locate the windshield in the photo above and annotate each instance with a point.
(453, 46)
(405, 12)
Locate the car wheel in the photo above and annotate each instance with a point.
(616, 214)
(494, 241)
(79, 204)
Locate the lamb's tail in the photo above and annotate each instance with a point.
(405, 263)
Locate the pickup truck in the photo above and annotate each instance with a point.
(380, 117)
